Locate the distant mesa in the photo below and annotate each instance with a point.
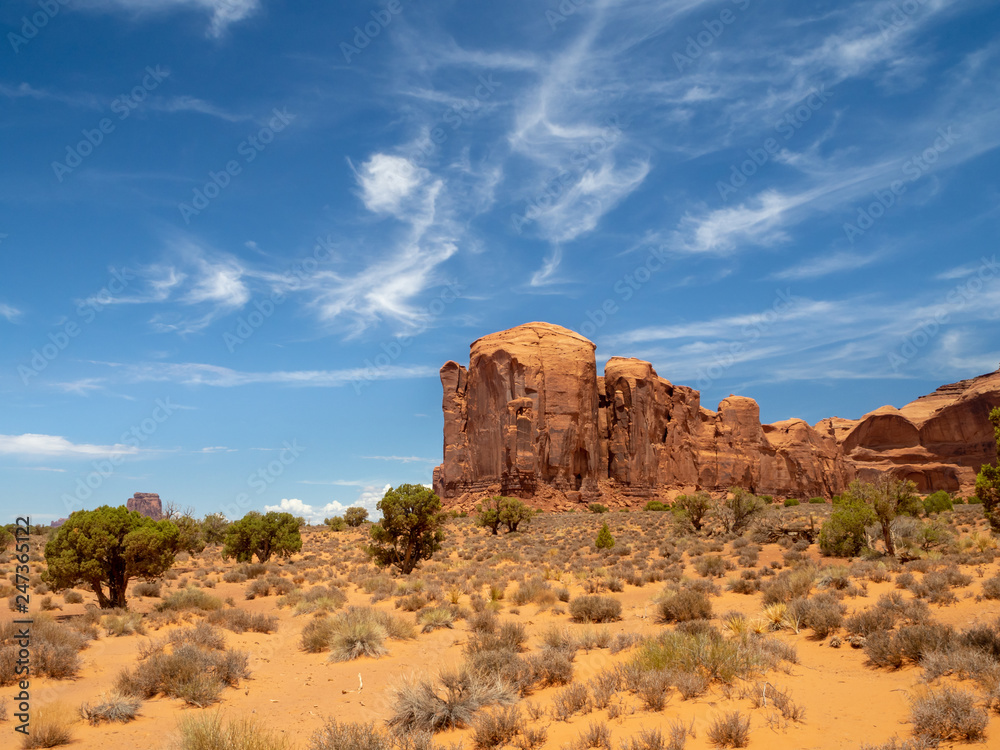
(147, 503)
(58, 522)
(531, 417)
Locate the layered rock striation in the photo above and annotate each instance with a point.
(531, 417)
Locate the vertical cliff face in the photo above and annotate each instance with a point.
(531, 416)
(652, 428)
(659, 438)
(523, 415)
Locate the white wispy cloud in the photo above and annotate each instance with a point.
(403, 459)
(157, 283)
(222, 13)
(583, 204)
(9, 312)
(194, 104)
(858, 337)
(27, 91)
(80, 387)
(723, 230)
(825, 265)
(219, 282)
(336, 482)
(191, 373)
(195, 285)
(30, 445)
(964, 270)
(389, 285)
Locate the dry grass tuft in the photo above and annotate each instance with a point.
(111, 708)
(209, 732)
(51, 726)
(948, 713)
(731, 729)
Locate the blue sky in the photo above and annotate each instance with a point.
(238, 238)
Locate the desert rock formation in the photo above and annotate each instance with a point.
(147, 503)
(531, 417)
(523, 414)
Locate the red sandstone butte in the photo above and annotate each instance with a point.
(531, 417)
(147, 503)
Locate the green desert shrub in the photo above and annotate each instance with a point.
(843, 534)
(336, 523)
(264, 535)
(355, 516)
(316, 599)
(938, 502)
(604, 539)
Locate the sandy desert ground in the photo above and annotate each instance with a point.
(834, 697)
